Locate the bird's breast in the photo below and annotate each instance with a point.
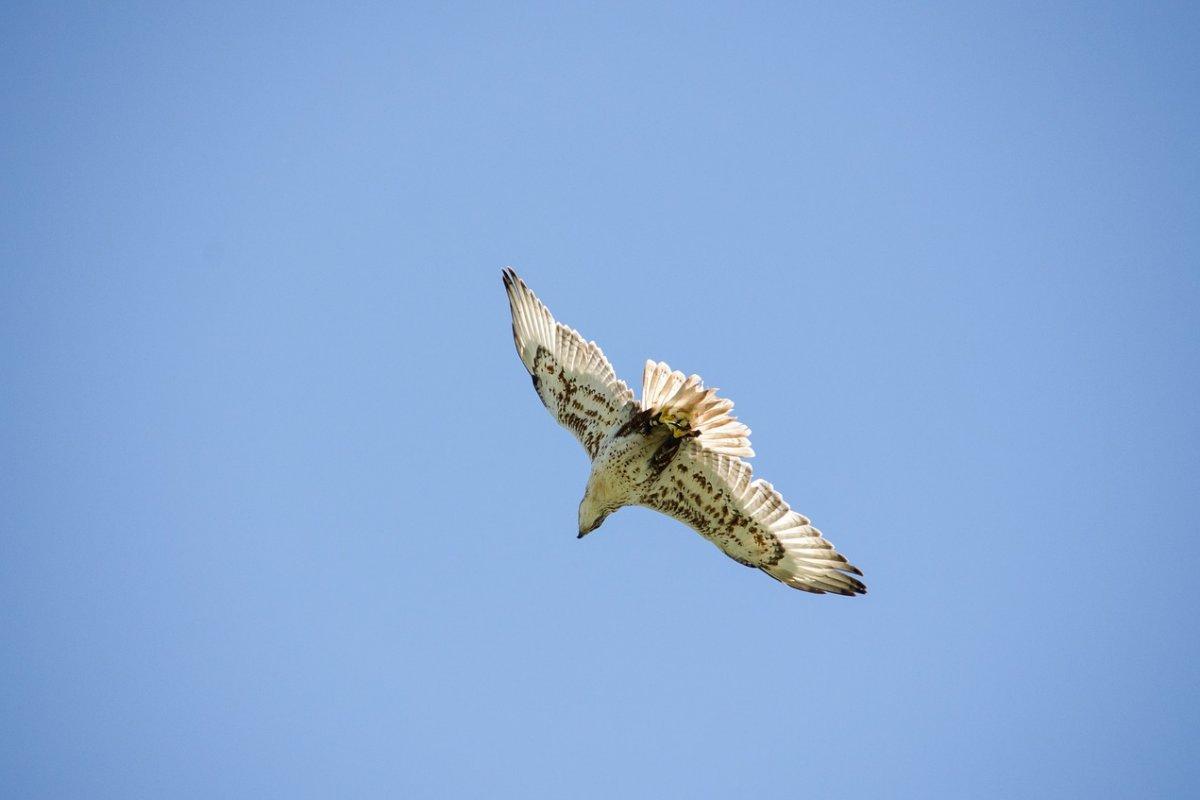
(634, 460)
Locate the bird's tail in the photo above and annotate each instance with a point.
(685, 405)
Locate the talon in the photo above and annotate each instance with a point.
(678, 423)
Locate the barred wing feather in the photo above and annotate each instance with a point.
(714, 494)
(571, 375)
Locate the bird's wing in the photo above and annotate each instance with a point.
(571, 375)
(715, 494)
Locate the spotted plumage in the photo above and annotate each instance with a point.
(678, 450)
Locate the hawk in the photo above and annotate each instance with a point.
(678, 450)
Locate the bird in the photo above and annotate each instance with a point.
(678, 450)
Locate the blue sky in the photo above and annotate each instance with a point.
(283, 517)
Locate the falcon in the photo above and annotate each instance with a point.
(678, 450)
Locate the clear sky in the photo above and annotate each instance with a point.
(284, 518)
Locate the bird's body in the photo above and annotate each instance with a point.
(678, 451)
(622, 469)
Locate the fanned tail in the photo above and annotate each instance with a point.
(684, 404)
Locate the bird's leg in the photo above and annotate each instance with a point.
(677, 422)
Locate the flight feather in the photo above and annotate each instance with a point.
(571, 375)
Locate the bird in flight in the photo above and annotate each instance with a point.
(678, 451)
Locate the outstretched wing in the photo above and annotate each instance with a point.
(571, 376)
(714, 494)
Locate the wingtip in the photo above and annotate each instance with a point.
(856, 587)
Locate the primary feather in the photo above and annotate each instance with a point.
(570, 375)
(678, 451)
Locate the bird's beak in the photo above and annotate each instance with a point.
(585, 531)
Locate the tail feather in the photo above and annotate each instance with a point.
(683, 402)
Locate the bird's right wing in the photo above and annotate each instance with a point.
(714, 494)
(571, 375)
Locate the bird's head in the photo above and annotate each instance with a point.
(599, 500)
(592, 515)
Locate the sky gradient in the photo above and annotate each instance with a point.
(284, 518)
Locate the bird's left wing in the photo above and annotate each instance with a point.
(571, 375)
